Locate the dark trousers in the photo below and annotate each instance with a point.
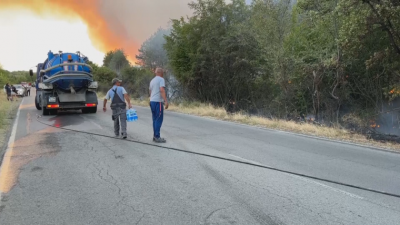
(157, 109)
(119, 115)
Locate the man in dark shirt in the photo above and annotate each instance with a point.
(13, 92)
(8, 92)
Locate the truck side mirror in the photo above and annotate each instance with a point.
(31, 73)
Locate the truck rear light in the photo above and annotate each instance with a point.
(91, 105)
(53, 106)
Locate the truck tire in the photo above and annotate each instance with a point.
(37, 105)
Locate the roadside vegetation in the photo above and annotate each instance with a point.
(7, 108)
(14, 77)
(7, 113)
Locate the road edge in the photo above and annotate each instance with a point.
(288, 132)
(10, 135)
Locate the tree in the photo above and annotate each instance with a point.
(314, 48)
(152, 53)
(104, 75)
(4, 77)
(107, 58)
(386, 14)
(215, 55)
(118, 62)
(271, 23)
(371, 36)
(136, 81)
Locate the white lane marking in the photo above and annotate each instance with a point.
(326, 186)
(97, 125)
(14, 129)
(246, 160)
(12, 137)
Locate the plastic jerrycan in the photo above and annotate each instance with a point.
(131, 115)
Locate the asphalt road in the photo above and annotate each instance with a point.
(53, 176)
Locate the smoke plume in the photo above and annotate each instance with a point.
(111, 23)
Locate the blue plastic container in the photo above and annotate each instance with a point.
(131, 115)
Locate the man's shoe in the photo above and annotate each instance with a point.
(124, 135)
(159, 140)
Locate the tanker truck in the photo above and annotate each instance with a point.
(63, 82)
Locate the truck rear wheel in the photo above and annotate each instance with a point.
(37, 105)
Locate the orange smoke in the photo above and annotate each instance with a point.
(101, 33)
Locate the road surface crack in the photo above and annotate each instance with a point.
(140, 219)
(215, 211)
(104, 173)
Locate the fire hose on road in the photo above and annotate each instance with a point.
(230, 160)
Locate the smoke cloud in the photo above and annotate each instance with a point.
(111, 23)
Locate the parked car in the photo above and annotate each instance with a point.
(21, 90)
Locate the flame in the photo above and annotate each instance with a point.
(100, 32)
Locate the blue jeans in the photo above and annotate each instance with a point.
(157, 109)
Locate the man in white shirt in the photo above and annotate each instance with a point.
(158, 98)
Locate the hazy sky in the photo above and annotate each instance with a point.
(24, 45)
(30, 28)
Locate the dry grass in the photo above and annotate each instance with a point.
(7, 113)
(207, 110)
